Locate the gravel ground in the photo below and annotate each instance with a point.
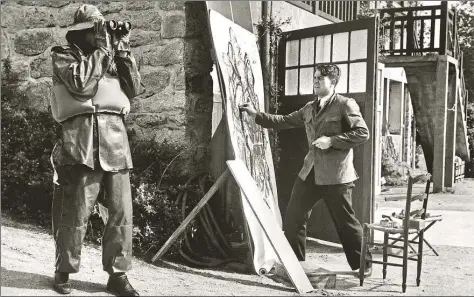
(27, 258)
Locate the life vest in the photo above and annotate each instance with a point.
(108, 98)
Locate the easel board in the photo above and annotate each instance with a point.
(270, 227)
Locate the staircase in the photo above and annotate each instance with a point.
(433, 65)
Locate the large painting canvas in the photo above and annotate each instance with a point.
(238, 58)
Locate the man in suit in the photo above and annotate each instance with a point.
(334, 126)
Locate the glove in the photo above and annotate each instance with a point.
(102, 36)
(122, 43)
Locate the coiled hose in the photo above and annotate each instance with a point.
(213, 235)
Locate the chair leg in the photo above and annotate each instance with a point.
(405, 264)
(362, 254)
(429, 245)
(385, 254)
(420, 257)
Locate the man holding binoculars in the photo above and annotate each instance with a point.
(94, 76)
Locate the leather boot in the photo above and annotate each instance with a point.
(61, 283)
(119, 285)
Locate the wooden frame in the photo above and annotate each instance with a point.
(408, 17)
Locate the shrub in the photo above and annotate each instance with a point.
(393, 171)
(27, 140)
(155, 215)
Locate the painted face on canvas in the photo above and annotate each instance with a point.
(322, 85)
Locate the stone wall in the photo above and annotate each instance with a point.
(171, 44)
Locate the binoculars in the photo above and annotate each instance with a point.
(119, 26)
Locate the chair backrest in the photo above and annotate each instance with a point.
(420, 197)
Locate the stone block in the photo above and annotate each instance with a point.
(107, 8)
(139, 37)
(42, 66)
(155, 81)
(13, 18)
(33, 41)
(172, 136)
(59, 36)
(173, 26)
(5, 44)
(169, 54)
(65, 15)
(136, 105)
(171, 5)
(38, 17)
(149, 20)
(56, 3)
(180, 81)
(149, 120)
(38, 95)
(140, 5)
(159, 127)
(164, 102)
(20, 69)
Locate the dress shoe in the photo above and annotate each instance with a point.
(61, 283)
(120, 286)
(367, 271)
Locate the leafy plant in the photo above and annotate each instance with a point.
(28, 136)
(272, 26)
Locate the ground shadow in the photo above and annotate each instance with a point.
(27, 280)
(319, 248)
(370, 285)
(224, 278)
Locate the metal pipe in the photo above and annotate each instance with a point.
(265, 55)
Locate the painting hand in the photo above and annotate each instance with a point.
(248, 109)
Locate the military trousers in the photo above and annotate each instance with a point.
(73, 202)
(304, 196)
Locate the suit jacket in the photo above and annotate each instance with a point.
(341, 120)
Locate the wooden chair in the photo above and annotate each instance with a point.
(410, 225)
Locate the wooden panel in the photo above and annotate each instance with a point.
(222, 7)
(254, 198)
(441, 104)
(242, 14)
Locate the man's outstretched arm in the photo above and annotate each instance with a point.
(266, 120)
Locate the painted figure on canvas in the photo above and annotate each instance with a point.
(242, 86)
(238, 59)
